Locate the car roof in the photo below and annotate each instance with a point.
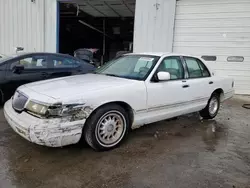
(160, 54)
(152, 53)
(23, 54)
(40, 53)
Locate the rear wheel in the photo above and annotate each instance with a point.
(212, 107)
(107, 127)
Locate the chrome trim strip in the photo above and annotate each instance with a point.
(231, 91)
(176, 104)
(172, 105)
(141, 110)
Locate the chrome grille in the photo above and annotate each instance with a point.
(18, 101)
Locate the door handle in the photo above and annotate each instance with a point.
(211, 82)
(45, 74)
(185, 86)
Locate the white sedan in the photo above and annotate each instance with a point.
(128, 92)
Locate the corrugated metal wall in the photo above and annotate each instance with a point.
(154, 25)
(51, 24)
(27, 24)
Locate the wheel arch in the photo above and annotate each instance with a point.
(220, 92)
(123, 104)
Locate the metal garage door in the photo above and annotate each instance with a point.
(216, 28)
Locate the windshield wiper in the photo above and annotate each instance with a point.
(112, 75)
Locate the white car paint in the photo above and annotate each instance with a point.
(149, 101)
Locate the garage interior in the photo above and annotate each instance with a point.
(93, 24)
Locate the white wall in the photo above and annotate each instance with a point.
(29, 25)
(154, 25)
(51, 26)
(218, 28)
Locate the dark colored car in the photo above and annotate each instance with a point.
(30, 67)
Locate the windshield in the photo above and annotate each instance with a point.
(135, 67)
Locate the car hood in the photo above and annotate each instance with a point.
(69, 86)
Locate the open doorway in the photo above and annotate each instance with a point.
(105, 27)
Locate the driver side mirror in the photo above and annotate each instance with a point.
(18, 69)
(163, 76)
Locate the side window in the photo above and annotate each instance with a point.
(174, 66)
(34, 62)
(204, 70)
(61, 62)
(196, 68)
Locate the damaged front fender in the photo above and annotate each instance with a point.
(82, 113)
(75, 111)
(63, 130)
(52, 132)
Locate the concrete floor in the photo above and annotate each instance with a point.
(185, 152)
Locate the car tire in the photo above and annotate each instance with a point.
(212, 107)
(106, 128)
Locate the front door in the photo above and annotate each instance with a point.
(167, 99)
(34, 70)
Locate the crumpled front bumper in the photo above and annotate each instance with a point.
(55, 132)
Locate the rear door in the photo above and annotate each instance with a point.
(60, 66)
(35, 67)
(199, 82)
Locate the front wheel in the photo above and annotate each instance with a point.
(106, 127)
(212, 107)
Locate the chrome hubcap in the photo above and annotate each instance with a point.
(110, 128)
(213, 106)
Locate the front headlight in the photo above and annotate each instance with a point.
(76, 111)
(37, 108)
